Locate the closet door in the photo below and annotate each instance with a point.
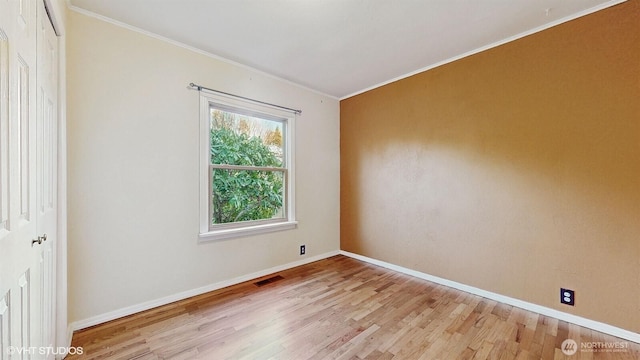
(28, 143)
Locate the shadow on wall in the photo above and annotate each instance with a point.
(514, 170)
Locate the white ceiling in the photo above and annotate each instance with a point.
(341, 47)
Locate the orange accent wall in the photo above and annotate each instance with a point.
(515, 170)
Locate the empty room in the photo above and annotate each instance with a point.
(322, 179)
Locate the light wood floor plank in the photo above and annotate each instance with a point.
(339, 308)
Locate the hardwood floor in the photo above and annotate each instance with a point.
(340, 308)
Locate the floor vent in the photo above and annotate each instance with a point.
(268, 281)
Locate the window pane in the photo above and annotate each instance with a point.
(238, 139)
(246, 195)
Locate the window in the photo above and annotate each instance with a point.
(247, 169)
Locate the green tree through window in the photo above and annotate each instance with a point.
(248, 176)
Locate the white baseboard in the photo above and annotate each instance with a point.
(129, 310)
(588, 323)
(591, 324)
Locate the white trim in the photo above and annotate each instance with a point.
(490, 46)
(246, 231)
(69, 335)
(206, 234)
(130, 310)
(191, 48)
(203, 161)
(290, 153)
(574, 319)
(54, 13)
(62, 331)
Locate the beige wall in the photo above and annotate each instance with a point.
(133, 171)
(515, 170)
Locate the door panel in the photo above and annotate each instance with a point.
(5, 330)
(24, 320)
(23, 122)
(28, 173)
(4, 133)
(17, 112)
(46, 165)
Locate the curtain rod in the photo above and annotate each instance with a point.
(200, 88)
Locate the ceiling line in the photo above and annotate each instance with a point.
(270, 75)
(492, 45)
(192, 48)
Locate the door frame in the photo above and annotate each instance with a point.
(57, 14)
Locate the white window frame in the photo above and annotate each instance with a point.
(227, 231)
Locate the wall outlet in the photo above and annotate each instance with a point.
(303, 249)
(567, 296)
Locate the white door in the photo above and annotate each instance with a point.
(27, 180)
(46, 169)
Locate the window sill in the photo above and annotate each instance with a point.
(246, 231)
